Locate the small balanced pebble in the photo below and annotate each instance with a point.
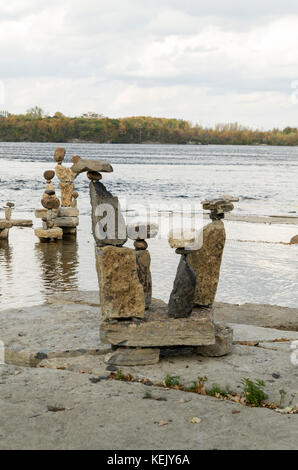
(94, 176)
(10, 204)
(50, 192)
(140, 245)
(50, 203)
(59, 155)
(75, 194)
(49, 175)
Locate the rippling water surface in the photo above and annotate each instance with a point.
(265, 179)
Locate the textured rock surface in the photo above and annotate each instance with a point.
(206, 263)
(66, 222)
(53, 233)
(121, 293)
(223, 343)
(68, 212)
(182, 297)
(108, 224)
(66, 193)
(94, 416)
(294, 240)
(157, 329)
(133, 356)
(64, 174)
(143, 267)
(4, 233)
(101, 166)
(5, 224)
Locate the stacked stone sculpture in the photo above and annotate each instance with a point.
(6, 224)
(49, 231)
(137, 326)
(68, 215)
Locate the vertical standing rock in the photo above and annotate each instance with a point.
(182, 296)
(144, 273)
(121, 293)
(206, 263)
(108, 224)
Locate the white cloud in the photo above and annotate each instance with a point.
(203, 61)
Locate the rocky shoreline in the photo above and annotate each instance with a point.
(57, 392)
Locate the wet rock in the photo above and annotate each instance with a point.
(143, 268)
(121, 293)
(206, 263)
(53, 233)
(108, 224)
(67, 222)
(182, 297)
(68, 212)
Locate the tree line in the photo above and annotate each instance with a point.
(35, 126)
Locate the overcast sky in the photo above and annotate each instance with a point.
(207, 61)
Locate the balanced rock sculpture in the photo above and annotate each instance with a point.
(133, 323)
(51, 204)
(6, 224)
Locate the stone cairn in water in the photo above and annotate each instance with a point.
(6, 224)
(49, 230)
(65, 215)
(137, 326)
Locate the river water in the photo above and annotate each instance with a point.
(172, 179)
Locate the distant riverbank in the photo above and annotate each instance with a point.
(93, 128)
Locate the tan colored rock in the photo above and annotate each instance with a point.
(62, 222)
(40, 213)
(66, 193)
(121, 293)
(223, 343)
(206, 263)
(4, 234)
(5, 224)
(185, 238)
(53, 233)
(69, 231)
(64, 174)
(133, 356)
(157, 329)
(294, 240)
(68, 212)
(143, 267)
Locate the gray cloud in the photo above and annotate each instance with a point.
(113, 55)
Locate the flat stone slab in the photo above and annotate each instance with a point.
(82, 165)
(52, 330)
(92, 416)
(158, 330)
(268, 316)
(66, 222)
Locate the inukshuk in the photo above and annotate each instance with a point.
(6, 224)
(137, 327)
(49, 231)
(205, 263)
(68, 213)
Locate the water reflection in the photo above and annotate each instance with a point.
(59, 265)
(6, 258)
